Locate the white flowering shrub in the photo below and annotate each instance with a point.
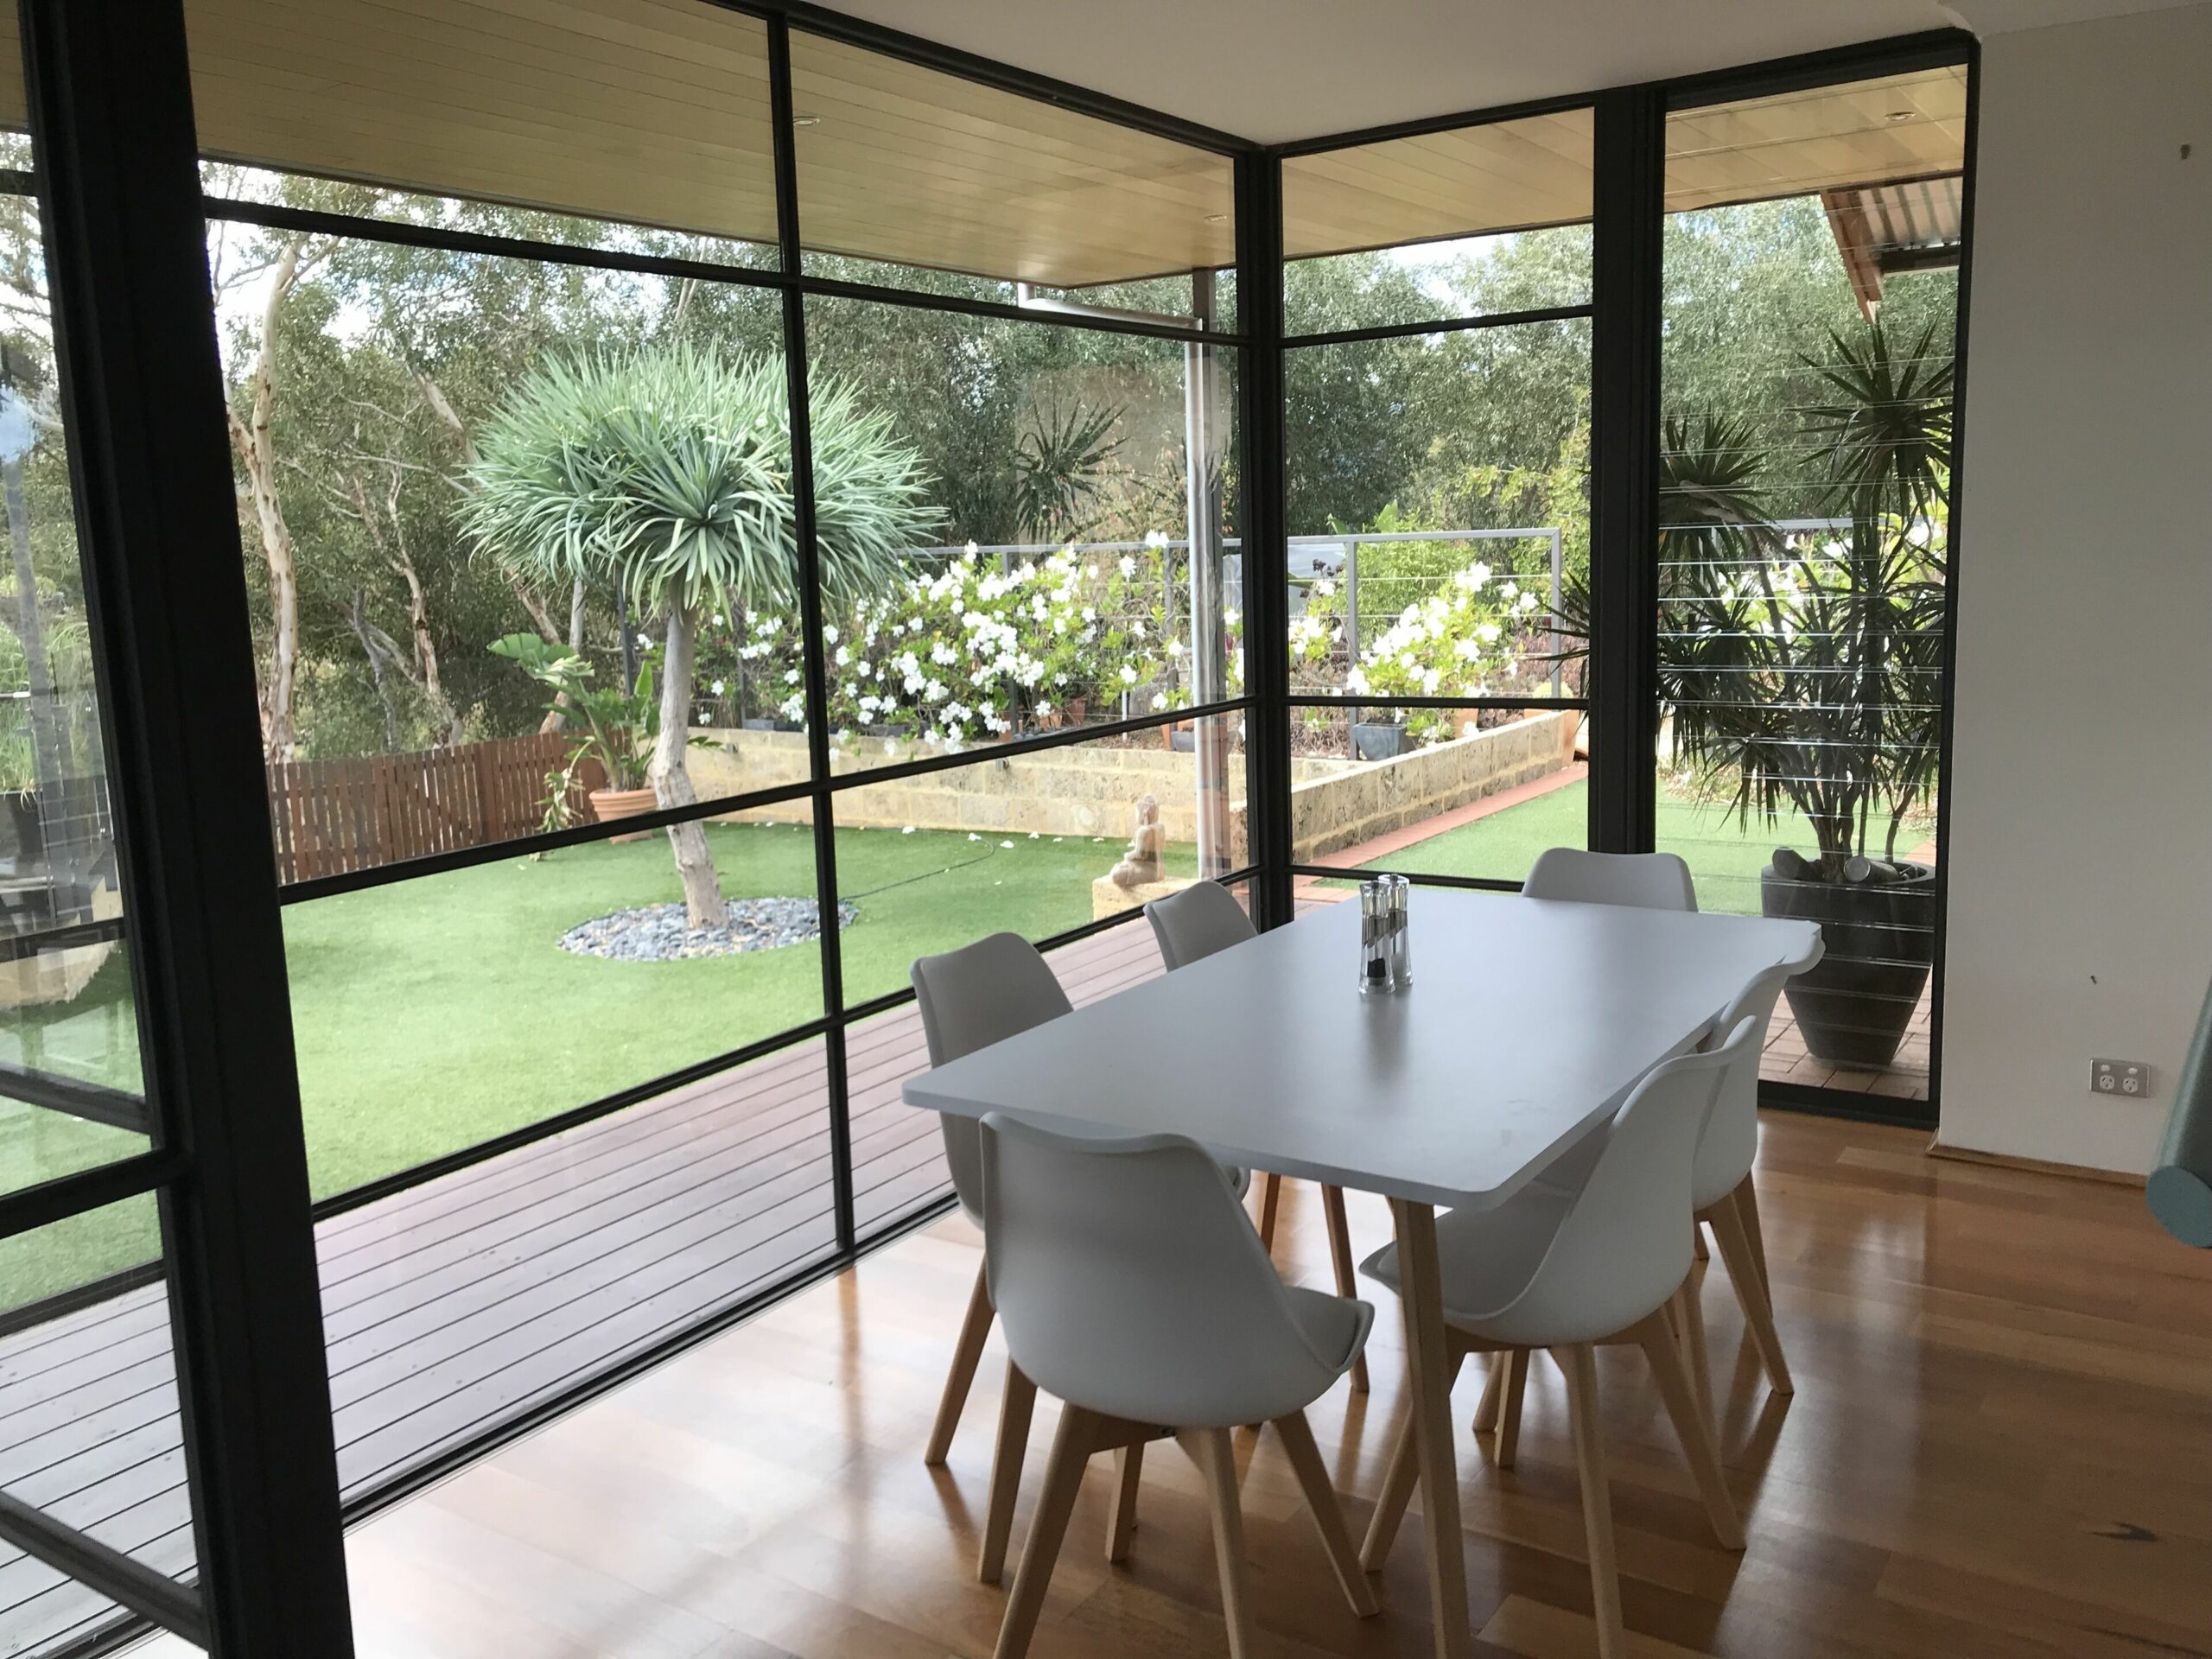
(975, 649)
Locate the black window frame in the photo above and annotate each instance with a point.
(120, 192)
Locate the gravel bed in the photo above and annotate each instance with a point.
(656, 932)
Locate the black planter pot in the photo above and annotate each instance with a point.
(1377, 741)
(1853, 1007)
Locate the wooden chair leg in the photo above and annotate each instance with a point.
(1071, 1446)
(1128, 1467)
(1689, 1333)
(1486, 1410)
(1745, 1197)
(1750, 1290)
(1270, 1201)
(975, 1332)
(1697, 1242)
(1332, 1208)
(1403, 1476)
(1516, 1362)
(1328, 1515)
(1694, 1431)
(1581, 1368)
(1209, 1450)
(1015, 1406)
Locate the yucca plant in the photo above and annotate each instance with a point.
(1805, 667)
(664, 473)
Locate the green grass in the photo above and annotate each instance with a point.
(431, 1014)
(1725, 858)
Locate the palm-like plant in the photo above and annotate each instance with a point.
(664, 473)
(1805, 667)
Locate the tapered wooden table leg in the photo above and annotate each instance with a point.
(1428, 1370)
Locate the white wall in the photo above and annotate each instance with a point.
(2081, 848)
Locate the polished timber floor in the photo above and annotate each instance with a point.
(2000, 1447)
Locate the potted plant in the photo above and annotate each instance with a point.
(1803, 669)
(618, 730)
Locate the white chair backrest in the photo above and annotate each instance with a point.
(1624, 1245)
(1730, 1142)
(1201, 919)
(969, 999)
(1131, 1281)
(1648, 880)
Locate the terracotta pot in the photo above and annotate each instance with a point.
(609, 805)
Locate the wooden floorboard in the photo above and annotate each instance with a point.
(2000, 1447)
(457, 1304)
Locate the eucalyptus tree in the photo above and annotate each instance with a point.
(665, 472)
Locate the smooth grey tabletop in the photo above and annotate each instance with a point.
(1528, 1021)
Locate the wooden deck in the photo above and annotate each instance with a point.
(458, 1304)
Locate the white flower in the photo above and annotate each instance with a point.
(716, 688)
(1129, 674)
(1033, 835)
(1322, 587)
(1006, 844)
(1158, 700)
(1137, 627)
(969, 549)
(718, 619)
(705, 719)
(1129, 565)
(791, 678)
(1174, 647)
(1043, 711)
(908, 830)
(972, 836)
(844, 656)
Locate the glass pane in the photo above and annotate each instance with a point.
(457, 678)
(1459, 224)
(434, 1013)
(646, 113)
(1453, 791)
(1440, 511)
(919, 179)
(453, 1305)
(1811, 287)
(898, 1152)
(1029, 844)
(1010, 559)
(70, 1082)
(88, 1417)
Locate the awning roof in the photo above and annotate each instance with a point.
(656, 112)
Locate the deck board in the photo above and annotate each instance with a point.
(470, 1298)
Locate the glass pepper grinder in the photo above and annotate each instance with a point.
(1385, 952)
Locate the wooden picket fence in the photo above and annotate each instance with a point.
(330, 816)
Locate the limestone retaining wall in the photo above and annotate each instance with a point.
(1090, 789)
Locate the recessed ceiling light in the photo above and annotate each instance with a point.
(806, 120)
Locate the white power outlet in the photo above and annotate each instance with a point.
(2128, 1078)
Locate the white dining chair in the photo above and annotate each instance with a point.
(1648, 880)
(970, 998)
(1575, 1272)
(1190, 926)
(1724, 1199)
(1133, 1287)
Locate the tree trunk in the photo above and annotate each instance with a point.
(256, 447)
(49, 735)
(694, 863)
(556, 717)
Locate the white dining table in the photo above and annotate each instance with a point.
(1526, 1024)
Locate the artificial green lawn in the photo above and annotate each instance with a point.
(1725, 858)
(433, 1013)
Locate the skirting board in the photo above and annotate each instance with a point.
(2033, 1166)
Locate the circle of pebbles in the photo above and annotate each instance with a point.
(657, 933)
